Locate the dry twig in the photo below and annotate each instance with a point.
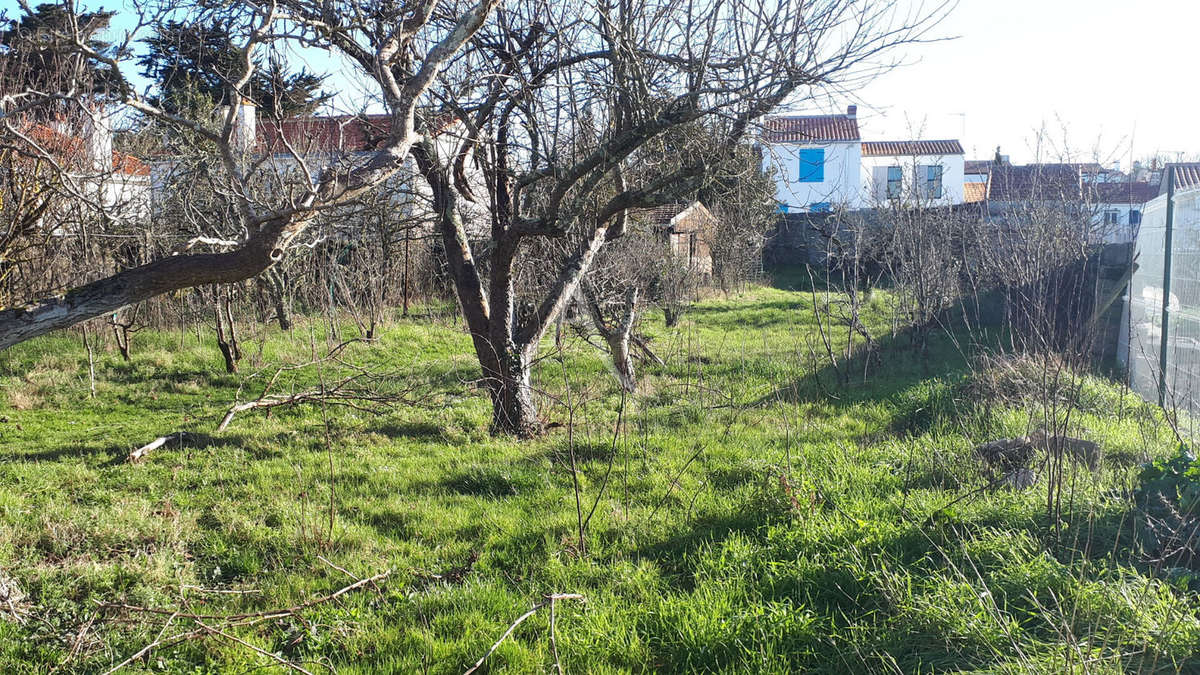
(550, 600)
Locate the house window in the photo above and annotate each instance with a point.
(933, 181)
(895, 182)
(1112, 217)
(1135, 217)
(812, 165)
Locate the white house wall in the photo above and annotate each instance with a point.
(840, 186)
(874, 192)
(1122, 231)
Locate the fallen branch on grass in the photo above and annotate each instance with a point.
(12, 605)
(228, 621)
(360, 390)
(550, 600)
(268, 614)
(341, 393)
(140, 454)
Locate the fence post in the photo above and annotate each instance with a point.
(1166, 288)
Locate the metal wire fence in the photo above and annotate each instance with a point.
(1164, 304)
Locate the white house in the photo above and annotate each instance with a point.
(816, 161)
(820, 163)
(1118, 209)
(83, 149)
(924, 172)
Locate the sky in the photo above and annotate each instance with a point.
(1106, 79)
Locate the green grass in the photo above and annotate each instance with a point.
(756, 518)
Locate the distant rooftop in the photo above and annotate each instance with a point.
(342, 133)
(978, 166)
(1129, 192)
(1063, 182)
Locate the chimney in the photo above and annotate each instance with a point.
(852, 112)
(245, 126)
(97, 136)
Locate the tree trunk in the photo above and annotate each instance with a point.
(513, 408)
(277, 291)
(616, 334)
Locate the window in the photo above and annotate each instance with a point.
(812, 165)
(1135, 217)
(1112, 217)
(819, 207)
(895, 182)
(933, 181)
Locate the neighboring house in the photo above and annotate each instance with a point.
(816, 160)
(975, 180)
(913, 172)
(821, 163)
(118, 181)
(1119, 208)
(1113, 208)
(688, 229)
(312, 143)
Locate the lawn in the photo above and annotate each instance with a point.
(747, 512)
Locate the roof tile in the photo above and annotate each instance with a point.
(911, 148)
(811, 129)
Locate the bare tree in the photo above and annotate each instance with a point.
(405, 50)
(559, 104)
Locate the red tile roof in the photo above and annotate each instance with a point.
(1123, 193)
(335, 133)
(71, 150)
(1063, 182)
(343, 133)
(911, 148)
(1034, 182)
(974, 192)
(811, 129)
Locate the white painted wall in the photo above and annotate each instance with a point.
(874, 178)
(840, 186)
(1120, 232)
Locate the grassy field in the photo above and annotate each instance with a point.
(750, 515)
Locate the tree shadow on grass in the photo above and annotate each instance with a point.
(424, 431)
(118, 453)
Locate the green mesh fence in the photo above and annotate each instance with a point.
(1179, 389)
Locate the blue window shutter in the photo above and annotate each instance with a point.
(812, 165)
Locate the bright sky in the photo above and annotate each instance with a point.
(1108, 80)
(1116, 74)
